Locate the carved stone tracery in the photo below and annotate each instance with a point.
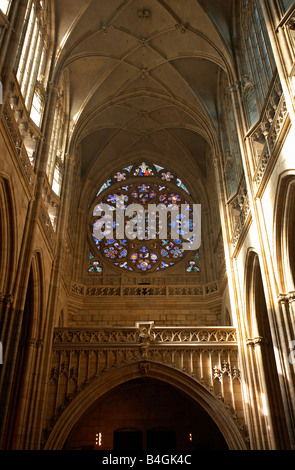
(81, 355)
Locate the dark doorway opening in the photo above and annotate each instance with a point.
(127, 439)
(161, 439)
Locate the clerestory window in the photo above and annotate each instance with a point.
(257, 59)
(31, 59)
(233, 169)
(55, 163)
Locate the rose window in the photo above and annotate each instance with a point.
(143, 185)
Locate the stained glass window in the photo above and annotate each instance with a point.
(94, 266)
(143, 170)
(144, 184)
(31, 60)
(192, 267)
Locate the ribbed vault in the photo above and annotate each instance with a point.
(143, 78)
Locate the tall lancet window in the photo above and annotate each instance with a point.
(257, 60)
(55, 163)
(31, 59)
(233, 169)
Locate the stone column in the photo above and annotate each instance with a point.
(14, 322)
(51, 314)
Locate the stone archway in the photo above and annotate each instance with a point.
(180, 381)
(145, 414)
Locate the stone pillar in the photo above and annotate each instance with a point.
(14, 322)
(51, 314)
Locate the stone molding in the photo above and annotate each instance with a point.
(199, 336)
(209, 355)
(146, 290)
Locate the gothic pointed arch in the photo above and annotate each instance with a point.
(284, 226)
(29, 346)
(7, 235)
(177, 379)
(263, 381)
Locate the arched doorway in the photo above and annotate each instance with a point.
(145, 414)
(192, 410)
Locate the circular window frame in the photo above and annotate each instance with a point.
(155, 269)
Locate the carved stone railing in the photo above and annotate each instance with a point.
(19, 148)
(267, 133)
(30, 133)
(95, 337)
(209, 355)
(144, 290)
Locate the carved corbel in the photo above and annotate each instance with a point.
(258, 341)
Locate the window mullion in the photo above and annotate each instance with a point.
(34, 75)
(255, 68)
(26, 46)
(52, 157)
(260, 39)
(29, 61)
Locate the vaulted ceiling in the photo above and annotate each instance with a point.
(143, 78)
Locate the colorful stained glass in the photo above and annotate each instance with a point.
(123, 253)
(193, 268)
(144, 265)
(95, 267)
(110, 252)
(128, 168)
(120, 176)
(164, 253)
(106, 185)
(158, 168)
(148, 254)
(112, 198)
(181, 185)
(143, 170)
(174, 198)
(167, 176)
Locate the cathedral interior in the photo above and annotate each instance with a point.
(136, 342)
